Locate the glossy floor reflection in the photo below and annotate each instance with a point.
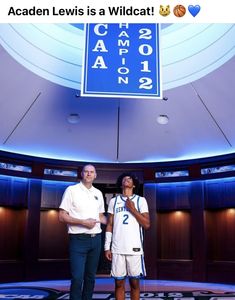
(107, 284)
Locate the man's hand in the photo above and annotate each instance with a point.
(89, 223)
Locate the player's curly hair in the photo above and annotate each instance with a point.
(133, 177)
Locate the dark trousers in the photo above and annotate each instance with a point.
(84, 259)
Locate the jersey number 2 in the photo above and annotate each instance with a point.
(125, 218)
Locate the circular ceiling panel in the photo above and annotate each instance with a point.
(40, 78)
(189, 51)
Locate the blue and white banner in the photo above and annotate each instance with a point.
(122, 60)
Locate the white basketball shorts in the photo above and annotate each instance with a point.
(127, 265)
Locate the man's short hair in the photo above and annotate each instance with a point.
(132, 176)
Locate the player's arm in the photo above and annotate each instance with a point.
(109, 226)
(108, 237)
(102, 218)
(142, 218)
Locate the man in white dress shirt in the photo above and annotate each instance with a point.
(82, 209)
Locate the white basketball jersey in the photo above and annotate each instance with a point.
(127, 233)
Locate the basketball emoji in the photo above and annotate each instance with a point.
(179, 11)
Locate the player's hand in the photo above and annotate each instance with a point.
(108, 255)
(130, 205)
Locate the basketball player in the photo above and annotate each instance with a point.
(128, 215)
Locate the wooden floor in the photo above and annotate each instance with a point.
(107, 285)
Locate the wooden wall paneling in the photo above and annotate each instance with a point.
(165, 196)
(214, 193)
(220, 230)
(5, 183)
(12, 225)
(172, 196)
(221, 271)
(211, 223)
(182, 192)
(13, 191)
(52, 193)
(198, 231)
(229, 192)
(150, 236)
(31, 244)
(19, 192)
(174, 231)
(220, 193)
(11, 271)
(107, 175)
(175, 269)
(149, 174)
(174, 235)
(53, 269)
(53, 241)
(220, 227)
(53, 262)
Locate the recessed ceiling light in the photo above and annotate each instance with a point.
(73, 118)
(162, 119)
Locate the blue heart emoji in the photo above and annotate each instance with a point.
(194, 9)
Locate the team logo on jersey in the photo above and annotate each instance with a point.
(120, 209)
(96, 198)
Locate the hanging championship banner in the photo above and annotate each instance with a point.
(122, 60)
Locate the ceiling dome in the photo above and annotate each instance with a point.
(189, 51)
(40, 80)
